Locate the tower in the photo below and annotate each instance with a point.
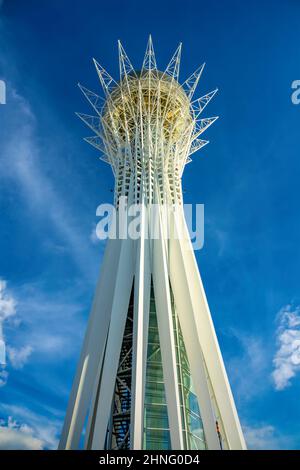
(150, 375)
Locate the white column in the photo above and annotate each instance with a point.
(166, 338)
(184, 308)
(124, 280)
(92, 350)
(140, 334)
(207, 337)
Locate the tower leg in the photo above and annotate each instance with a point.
(123, 286)
(92, 350)
(142, 287)
(166, 336)
(184, 308)
(183, 262)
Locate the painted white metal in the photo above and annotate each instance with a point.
(92, 350)
(142, 286)
(124, 282)
(166, 338)
(206, 334)
(146, 128)
(184, 308)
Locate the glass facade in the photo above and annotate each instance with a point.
(156, 424)
(193, 432)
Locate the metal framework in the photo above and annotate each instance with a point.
(150, 375)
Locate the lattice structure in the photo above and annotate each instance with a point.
(148, 125)
(151, 374)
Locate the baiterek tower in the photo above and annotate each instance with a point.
(150, 374)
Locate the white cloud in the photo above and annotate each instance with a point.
(19, 357)
(255, 356)
(3, 376)
(54, 325)
(7, 302)
(264, 437)
(93, 236)
(18, 439)
(220, 236)
(287, 357)
(15, 436)
(51, 327)
(24, 429)
(22, 165)
(7, 310)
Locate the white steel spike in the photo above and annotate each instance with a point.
(199, 104)
(174, 64)
(191, 83)
(93, 122)
(197, 144)
(125, 65)
(149, 62)
(95, 100)
(96, 142)
(127, 73)
(202, 125)
(107, 82)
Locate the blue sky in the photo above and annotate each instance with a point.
(52, 181)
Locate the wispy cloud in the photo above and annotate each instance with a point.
(16, 357)
(266, 437)
(23, 429)
(45, 336)
(287, 357)
(19, 357)
(52, 326)
(218, 234)
(254, 356)
(21, 162)
(43, 332)
(18, 437)
(47, 341)
(3, 375)
(93, 236)
(7, 310)
(7, 302)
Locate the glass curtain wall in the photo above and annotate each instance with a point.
(156, 424)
